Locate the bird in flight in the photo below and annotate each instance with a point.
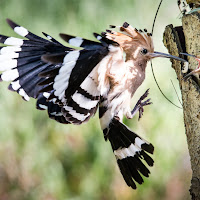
(71, 84)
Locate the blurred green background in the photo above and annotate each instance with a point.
(44, 160)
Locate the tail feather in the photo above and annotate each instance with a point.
(147, 158)
(130, 151)
(130, 166)
(126, 174)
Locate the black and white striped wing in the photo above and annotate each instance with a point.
(73, 84)
(21, 60)
(58, 76)
(53, 109)
(21, 63)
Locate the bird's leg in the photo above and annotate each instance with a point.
(140, 104)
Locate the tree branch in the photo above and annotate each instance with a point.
(187, 39)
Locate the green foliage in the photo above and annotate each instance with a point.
(41, 159)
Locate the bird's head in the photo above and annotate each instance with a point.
(137, 44)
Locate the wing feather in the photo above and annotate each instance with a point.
(37, 66)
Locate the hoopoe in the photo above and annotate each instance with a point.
(72, 84)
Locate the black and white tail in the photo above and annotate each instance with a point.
(130, 150)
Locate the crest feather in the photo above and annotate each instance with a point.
(131, 37)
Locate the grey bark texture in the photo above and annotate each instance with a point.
(187, 39)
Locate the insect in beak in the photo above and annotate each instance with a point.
(156, 54)
(195, 71)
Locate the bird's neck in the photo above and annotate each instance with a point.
(140, 64)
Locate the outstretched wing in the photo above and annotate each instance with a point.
(78, 88)
(21, 60)
(59, 77)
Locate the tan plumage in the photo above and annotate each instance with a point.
(123, 77)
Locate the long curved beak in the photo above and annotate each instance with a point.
(187, 54)
(156, 54)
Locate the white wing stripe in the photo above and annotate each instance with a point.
(90, 86)
(8, 64)
(13, 41)
(57, 114)
(71, 56)
(59, 88)
(21, 31)
(10, 75)
(43, 106)
(76, 115)
(15, 85)
(46, 94)
(61, 81)
(8, 50)
(77, 41)
(84, 102)
(8, 56)
(67, 67)
(23, 94)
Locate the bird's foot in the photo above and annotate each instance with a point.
(140, 104)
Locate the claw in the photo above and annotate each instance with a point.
(144, 95)
(139, 105)
(141, 109)
(147, 102)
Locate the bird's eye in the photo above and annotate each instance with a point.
(144, 51)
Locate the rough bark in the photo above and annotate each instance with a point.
(187, 39)
(192, 1)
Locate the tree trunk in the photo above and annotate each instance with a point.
(187, 39)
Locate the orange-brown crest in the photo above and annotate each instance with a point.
(132, 41)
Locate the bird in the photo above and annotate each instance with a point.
(71, 84)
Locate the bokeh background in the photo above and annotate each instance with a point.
(43, 160)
